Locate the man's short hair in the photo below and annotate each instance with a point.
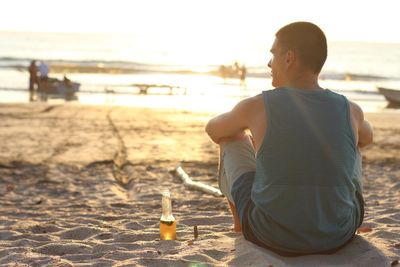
(307, 41)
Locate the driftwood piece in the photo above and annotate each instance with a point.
(188, 182)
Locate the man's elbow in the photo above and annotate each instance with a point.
(210, 131)
(367, 136)
(207, 129)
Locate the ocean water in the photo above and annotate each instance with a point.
(103, 62)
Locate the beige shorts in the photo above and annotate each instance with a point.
(236, 158)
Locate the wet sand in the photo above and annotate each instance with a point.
(81, 186)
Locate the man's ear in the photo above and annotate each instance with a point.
(290, 58)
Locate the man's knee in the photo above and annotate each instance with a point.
(242, 136)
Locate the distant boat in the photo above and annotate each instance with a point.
(55, 88)
(391, 95)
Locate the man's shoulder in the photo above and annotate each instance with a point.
(252, 102)
(249, 106)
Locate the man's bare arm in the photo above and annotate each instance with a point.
(231, 123)
(365, 134)
(363, 127)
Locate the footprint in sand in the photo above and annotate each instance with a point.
(60, 249)
(79, 233)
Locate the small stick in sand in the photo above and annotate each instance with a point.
(195, 232)
(188, 182)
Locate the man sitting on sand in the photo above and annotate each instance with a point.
(294, 185)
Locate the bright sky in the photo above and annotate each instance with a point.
(355, 20)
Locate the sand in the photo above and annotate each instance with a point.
(81, 186)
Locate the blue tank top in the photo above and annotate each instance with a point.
(304, 192)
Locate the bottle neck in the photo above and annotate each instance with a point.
(166, 207)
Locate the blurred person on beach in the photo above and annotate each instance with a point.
(69, 87)
(242, 73)
(67, 81)
(242, 76)
(33, 79)
(290, 163)
(43, 78)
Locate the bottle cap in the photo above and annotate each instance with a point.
(166, 193)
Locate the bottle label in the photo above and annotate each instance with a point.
(167, 222)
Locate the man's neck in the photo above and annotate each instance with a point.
(305, 81)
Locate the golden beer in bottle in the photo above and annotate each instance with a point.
(167, 221)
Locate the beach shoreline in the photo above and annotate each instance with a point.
(81, 185)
